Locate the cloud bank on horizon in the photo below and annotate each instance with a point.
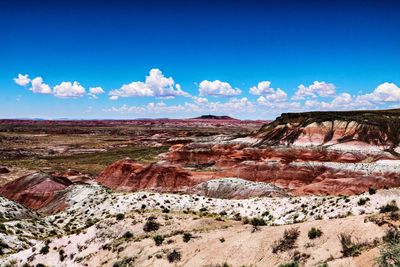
(218, 97)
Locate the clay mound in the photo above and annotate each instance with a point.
(128, 175)
(377, 128)
(36, 190)
(235, 188)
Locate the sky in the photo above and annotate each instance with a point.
(180, 59)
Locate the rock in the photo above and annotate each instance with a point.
(4, 170)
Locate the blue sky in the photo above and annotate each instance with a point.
(250, 59)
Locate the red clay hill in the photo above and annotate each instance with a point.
(128, 175)
(36, 190)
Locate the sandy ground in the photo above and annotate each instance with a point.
(241, 245)
(100, 243)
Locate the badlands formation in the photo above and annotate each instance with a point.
(308, 189)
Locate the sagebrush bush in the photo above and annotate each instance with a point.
(392, 235)
(186, 237)
(349, 248)
(287, 242)
(389, 255)
(314, 233)
(257, 222)
(389, 207)
(120, 216)
(174, 256)
(158, 239)
(371, 191)
(151, 225)
(290, 264)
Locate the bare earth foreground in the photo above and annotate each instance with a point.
(308, 189)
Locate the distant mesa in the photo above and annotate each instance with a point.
(214, 117)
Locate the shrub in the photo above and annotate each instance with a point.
(349, 248)
(314, 233)
(45, 249)
(174, 256)
(120, 216)
(287, 242)
(389, 255)
(125, 262)
(258, 222)
(392, 235)
(394, 215)
(3, 246)
(371, 191)
(186, 237)
(362, 201)
(151, 225)
(389, 207)
(127, 235)
(290, 264)
(62, 254)
(158, 239)
(3, 228)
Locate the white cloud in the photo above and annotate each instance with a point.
(316, 89)
(114, 97)
(96, 90)
(233, 106)
(268, 93)
(155, 85)
(343, 101)
(38, 87)
(385, 92)
(217, 88)
(278, 105)
(22, 80)
(261, 88)
(200, 100)
(68, 90)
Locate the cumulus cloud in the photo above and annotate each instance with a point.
(38, 87)
(316, 89)
(261, 88)
(96, 90)
(69, 90)
(268, 93)
(217, 88)
(385, 92)
(154, 85)
(22, 80)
